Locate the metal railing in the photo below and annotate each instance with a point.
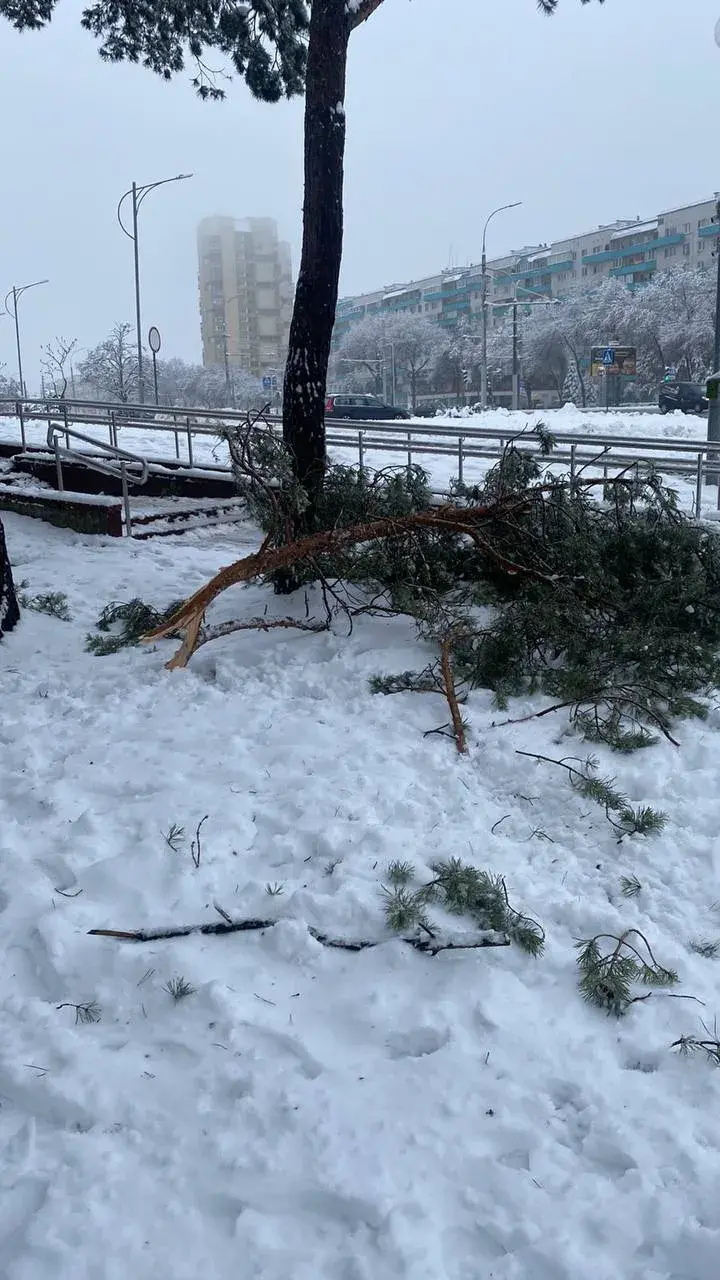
(123, 472)
(414, 441)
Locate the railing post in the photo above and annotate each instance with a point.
(177, 438)
(409, 451)
(126, 497)
(698, 486)
(65, 420)
(573, 448)
(361, 451)
(461, 459)
(21, 415)
(189, 440)
(58, 466)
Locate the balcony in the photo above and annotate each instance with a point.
(634, 267)
(609, 255)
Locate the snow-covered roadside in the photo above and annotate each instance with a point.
(309, 1114)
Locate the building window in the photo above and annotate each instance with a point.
(686, 227)
(584, 271)
(703, 222)
(686, 250)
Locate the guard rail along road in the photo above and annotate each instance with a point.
(186, 439)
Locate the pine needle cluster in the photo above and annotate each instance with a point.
(709, 1044)
(53, 603)
(610, 966)
(122, 624)
(459, 889)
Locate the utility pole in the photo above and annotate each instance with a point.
(483, 364)
(714, 409)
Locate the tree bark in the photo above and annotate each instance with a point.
(9, 609)
(317, 286)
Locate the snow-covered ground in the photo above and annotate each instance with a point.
(309, 1114)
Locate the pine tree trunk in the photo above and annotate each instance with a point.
(9, 610)
(317, 286)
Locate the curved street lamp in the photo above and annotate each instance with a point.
(483, 368)
(138, 194)
(16, 294)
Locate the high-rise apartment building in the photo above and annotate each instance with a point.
(245, 285)
(631, 250)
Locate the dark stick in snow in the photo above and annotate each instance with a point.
(421, 941)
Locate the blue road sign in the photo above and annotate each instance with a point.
(267, 384)
(609, 355)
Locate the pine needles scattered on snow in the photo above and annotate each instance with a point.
(122, 624)
(610, 966)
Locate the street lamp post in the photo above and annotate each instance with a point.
(484, 368)
(16, 293)
(137, 194)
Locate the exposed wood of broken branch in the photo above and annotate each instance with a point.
(420, 941)
(448, 683)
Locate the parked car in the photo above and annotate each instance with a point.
(361, 407)
(688, 397)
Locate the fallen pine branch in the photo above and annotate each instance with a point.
(269, 560)
(422, 939)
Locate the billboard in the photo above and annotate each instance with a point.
(622, 360)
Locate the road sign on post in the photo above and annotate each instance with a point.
(267, 383)
(155, 343)
(617, 360)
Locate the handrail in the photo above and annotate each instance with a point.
(56, 429)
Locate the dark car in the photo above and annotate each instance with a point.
(688, 397)
(361, 407)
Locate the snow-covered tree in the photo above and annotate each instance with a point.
(110, 370)
(413, 341)
(416, 342)
(198, 386)
(361, 355)
(55, 365)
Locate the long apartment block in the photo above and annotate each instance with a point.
(632, 250)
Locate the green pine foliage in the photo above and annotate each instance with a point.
(611, 967)
(600, 596)
(459, 889)
(53, 603)
(122, 624)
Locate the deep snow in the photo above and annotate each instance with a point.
(309, 1114)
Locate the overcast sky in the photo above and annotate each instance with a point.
(454, 107)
